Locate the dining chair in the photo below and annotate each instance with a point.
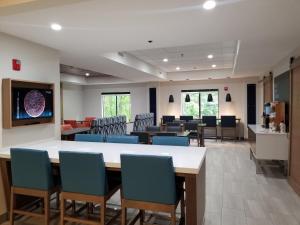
(165, 119)
(192, 127)
(173, 141)
(88, 183)
(32, 176)
(228, 123)
(144, 137)
(89, 137)
(149, 183)
(210, 124)
(125, 139)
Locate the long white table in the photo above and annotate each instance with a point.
(189, 162)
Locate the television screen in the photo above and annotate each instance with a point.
(30, 103)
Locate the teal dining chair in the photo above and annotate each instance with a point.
(88, 183)
(32, 176)
(125, 139)
(149, 183)
(169, 140)
(89, 137)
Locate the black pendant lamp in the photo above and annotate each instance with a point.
(228, 97)
(187, 98)
(171, 99)
(210, 98)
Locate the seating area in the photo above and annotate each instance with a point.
(150, 112)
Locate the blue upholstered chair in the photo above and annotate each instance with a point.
(148, 183)
(125, 139)
(88, 182)
(174, 141)
(32, 176)
(228, 123)
(89, 137)
(211, 124)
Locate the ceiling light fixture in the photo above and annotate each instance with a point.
(56, 26)
(209, 5)
(210, 56)
(165, 60)
(177, 68)
(213, 66)
(87, 74)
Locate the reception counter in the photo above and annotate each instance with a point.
(267, 145)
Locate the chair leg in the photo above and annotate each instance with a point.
(173, 217)
(62, 210)
(142, 216)
(12, 207)
(182, 207)
(47, 208)
(124, 215)
(102, 212)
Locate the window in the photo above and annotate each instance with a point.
(199, 105)
(116, 104)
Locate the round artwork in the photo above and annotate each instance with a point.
(34, 103)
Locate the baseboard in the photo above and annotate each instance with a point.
(3, 218)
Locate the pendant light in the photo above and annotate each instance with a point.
(210, 98)
(171, 99)
(187, 98)
(228, 97)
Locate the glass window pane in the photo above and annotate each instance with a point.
(190, 108)
(209, 108)
(109, 105)
(124, 106)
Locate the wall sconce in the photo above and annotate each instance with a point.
(210, 98)
(171, 99)
(187, 98)
(228, 97)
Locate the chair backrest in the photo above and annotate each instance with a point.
(144, 137)
(166, 119)
(186, 118)
(174, 128)
(172, 134)
(83, 172)
(31, 169)
(228, 121)
(148, 178)
(190, 126)
(152, 128)
(173, 141)
(210, 121)
(73, 123)
(89, 137)
(125, 139)
(65, 127)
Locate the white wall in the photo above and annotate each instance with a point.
(72, 101)
(92, 98)
(38, 64)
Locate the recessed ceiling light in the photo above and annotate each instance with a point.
(210, 56)
(165, 60)
(210, 4)
(56, 26)
(213, 66)
(87, 74)
(177, 68)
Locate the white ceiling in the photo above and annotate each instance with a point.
(192, 57)
(268, 30)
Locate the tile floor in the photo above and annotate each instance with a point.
(235, 194)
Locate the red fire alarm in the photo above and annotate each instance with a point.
(225, 88)
(16, 64)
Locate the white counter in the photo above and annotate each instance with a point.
(185, 159)
(258, 129)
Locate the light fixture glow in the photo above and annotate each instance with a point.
(210, 56)
(56, 26)
(165, 60)
(213, 66)
(87, 74)
(209, 5)
(177, 68)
